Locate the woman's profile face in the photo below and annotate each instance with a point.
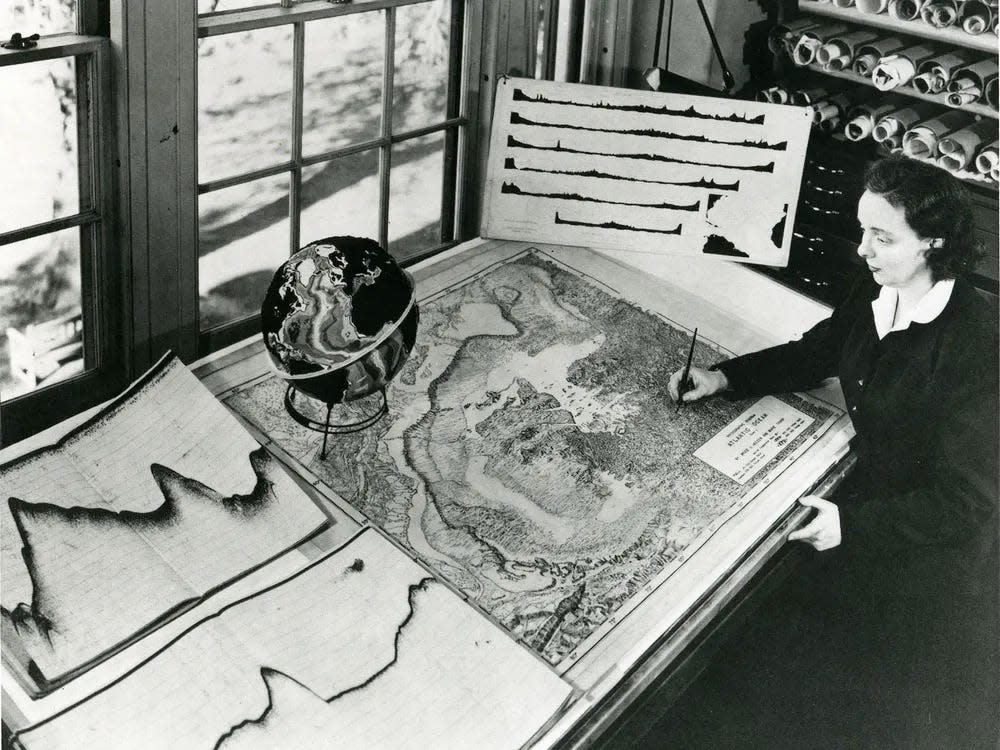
(893, 251)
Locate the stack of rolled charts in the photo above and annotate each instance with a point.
(880, 79)
(960, 77)
(971, 16)
(955, 140)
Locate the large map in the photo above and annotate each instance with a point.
(532, 455)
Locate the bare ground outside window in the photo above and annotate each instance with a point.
(244, 114)
(39, 278)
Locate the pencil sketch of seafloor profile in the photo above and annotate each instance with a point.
(644, 171)
(156, 501)
(359, 649)
(533, 457)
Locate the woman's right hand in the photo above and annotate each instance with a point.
(704, 383)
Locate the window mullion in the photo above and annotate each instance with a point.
(453, 109)
(385, 153)
(48, 227)
(295, 178)
(87, 185)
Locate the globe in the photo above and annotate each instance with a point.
(339, 319)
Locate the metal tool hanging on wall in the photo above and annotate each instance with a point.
(661, 79)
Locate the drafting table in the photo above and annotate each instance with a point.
(646, 652)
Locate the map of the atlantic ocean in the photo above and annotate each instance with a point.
(532, 455)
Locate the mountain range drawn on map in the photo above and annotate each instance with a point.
(692, 111)
(511, 188)
(530, 419)
(513, 142)
(614, 225)
(518, 119)
(510, 163)
(74, 615)
(283, 690)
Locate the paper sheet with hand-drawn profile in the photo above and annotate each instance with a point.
(644, 171)
(360, 649)
(133, 516)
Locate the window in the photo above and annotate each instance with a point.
(320, 120)
(60, 348)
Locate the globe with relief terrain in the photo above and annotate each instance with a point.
(339, 318)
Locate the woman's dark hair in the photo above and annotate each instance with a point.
(935, 203)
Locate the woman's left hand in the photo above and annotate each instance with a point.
(823, 532)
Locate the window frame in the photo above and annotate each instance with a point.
(457, 126)
(101, 287)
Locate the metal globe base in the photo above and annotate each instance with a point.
(368, 417)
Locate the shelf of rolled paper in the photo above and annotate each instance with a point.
(952, 139)
(955, 34)
(962, 174)
(975, 108)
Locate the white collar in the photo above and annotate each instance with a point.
(926, 310)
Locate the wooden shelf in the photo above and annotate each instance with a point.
(985, 110)
(985, 42)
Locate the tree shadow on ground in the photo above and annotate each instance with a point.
(329, 180)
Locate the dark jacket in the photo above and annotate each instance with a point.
(918, 564)
(924, 406)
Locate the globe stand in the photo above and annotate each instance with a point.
(335, 428)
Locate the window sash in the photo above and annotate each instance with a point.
(100, 283)
(230, 21)
(453, 125)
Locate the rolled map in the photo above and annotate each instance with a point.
(988, 158)
(934, 75)
(838, 52)
(811, 40)
(783, 36)
(831, 125)
(921, 140)
(894, 124)
(977, 16)
(834, 106)
(940, 13)
(958, 149)
(843, 3)
(899, 68)
(872, 6)
(774, 95)
(808, 96)
(861, 119)
(869, 54)
(968, 84)
(905, 10)
(990, 95)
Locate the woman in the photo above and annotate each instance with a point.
(900, 614)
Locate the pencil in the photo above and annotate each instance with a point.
(682, 387)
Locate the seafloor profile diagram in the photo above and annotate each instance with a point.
(532, 455)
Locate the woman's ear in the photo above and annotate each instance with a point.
(935, 244)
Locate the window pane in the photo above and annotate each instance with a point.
(38, 16)
(244, 102)
(41, 323)
(342, 98)
(243, 238)
(415, 195)
(340, 197)
(38, 143)
(420, 80)
(213, 6)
